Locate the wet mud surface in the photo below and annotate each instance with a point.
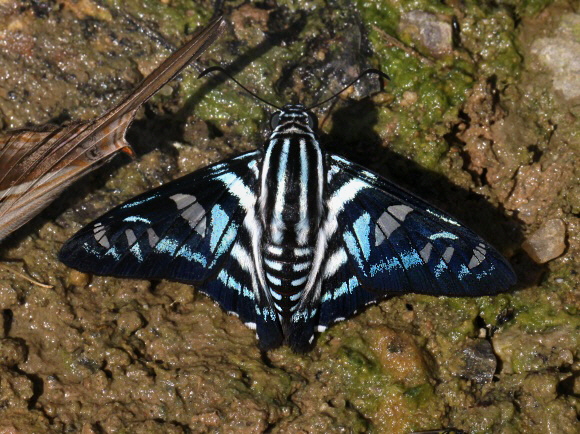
(481, 117)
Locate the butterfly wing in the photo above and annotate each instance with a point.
(382, 240)
(194, 229)
(37, 165)
(178, 231)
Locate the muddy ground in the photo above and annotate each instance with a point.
(481, 117)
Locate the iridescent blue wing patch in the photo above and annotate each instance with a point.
(388, 242)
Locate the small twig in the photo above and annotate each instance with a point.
(25, 277)
(391, 40)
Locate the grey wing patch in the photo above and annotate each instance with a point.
(385, 226)
(153, 237)
(100, 236)
(478, 256)
(131, 238)
(425, 253)
(193, 212)
(387, 222)
(183, 200)
(399, 211)
(448, 254)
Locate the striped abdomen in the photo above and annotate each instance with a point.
(286, 269)
(290, 207)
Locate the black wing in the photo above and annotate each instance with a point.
(195, 230)
(382, 240)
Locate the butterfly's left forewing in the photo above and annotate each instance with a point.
(198, 229)
(385, 241)
(184, 230)
(181, 230)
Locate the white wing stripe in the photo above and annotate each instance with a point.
(337, 259)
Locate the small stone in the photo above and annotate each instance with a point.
(76, 278)
(166, 90)
(428, 30)
(130, 322)
(561, 54)
(117, 357)
(547, 243)
(480, 361)
(409, 98)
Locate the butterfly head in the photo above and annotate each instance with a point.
(292, 115)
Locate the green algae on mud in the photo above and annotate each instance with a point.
(118, 355)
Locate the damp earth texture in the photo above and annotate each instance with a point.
(481, 117)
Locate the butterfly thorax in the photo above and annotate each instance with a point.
(290, 205)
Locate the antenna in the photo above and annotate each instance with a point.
(365, 72)
(223, 71)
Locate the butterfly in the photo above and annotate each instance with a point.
(290, 238)
(36, 165)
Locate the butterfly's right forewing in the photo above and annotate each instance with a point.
(384, 241)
